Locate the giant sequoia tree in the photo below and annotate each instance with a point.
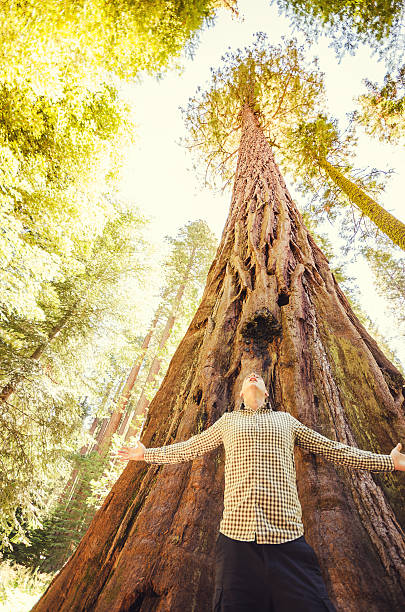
(270, 303)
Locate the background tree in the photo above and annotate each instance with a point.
(85, 41)
(382, 109)
(185, 272)
(94, 471)
(389, 269)
(350, 22)
(42, 370)
(270, 302)
(317, 155)
(184, 269)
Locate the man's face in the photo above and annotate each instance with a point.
(251, 381)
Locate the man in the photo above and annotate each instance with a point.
(263, 562)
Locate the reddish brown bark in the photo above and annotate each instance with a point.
(270, 303)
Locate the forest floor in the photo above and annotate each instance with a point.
(20, 588)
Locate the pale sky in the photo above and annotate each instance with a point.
(158, 175)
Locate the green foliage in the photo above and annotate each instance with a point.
(275, 81)
(191, 253)
(51, 543)
(58, 159)
(382, 111)
(303, 150)
(348, 22)
(49, 39)
(42, 420)
(186, 266)
(101, 484)
(318, 139)
(20, 587)
(388, 265)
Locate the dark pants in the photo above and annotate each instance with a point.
(253, 577)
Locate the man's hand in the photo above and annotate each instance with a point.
(126, 453)
(398, 458)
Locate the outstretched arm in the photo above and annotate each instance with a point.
(342, 454)
(195, 446)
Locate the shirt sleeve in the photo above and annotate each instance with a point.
(195, 446)
(340, 453)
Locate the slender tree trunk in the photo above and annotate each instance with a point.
(270, 302)
(145, 345)
(141, 407)
(111, 424)
(75, 472)
(74, 477)
(385, 221)
(10, 387)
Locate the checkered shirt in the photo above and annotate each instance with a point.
(260, 495)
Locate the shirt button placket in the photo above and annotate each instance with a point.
(256, 430)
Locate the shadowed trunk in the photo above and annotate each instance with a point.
(270, 302)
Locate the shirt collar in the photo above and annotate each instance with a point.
(266, 407)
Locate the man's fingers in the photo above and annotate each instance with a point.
(123, 453)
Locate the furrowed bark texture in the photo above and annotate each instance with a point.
(270, 302)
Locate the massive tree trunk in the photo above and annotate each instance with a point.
(270, 303)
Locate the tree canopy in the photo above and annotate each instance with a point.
(287, 95)
(277, 81)
(382, 109)
(46, 38)
(349, 23)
